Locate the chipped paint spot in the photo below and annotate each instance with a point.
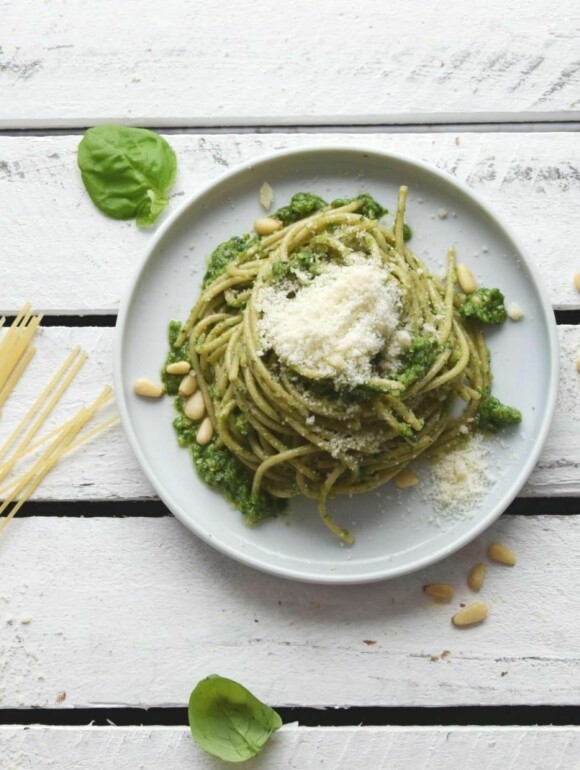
(497, 64)
(561, 82)
(457, 61)
(24, 70)
(535, 62)
(484, 171)
(562, 176)
(10, 170)
(214, 151)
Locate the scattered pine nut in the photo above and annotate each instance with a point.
(266, 196)
(578, 364)
(470, 615)
(406, 479)
(179, 367)
(187, 386)
(194, 407)
(577, 281)
(147, 388)
(442, 593)
(476, 576)
(205, 432)
(267, 225)
(514, 311)
(466, 279)
(501, 553)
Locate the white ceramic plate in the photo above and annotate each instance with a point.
(395, 532)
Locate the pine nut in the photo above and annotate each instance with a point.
(442, 593)
(194, 406)
(266, 196)
(179, 367)
(205, 432)
(406, 479)
(466, 279)
(476, 576)
(501, 553)
(578, 364)
(188, 385)
(577, 281)
(267, 225)
(470, 615)
(147, 388)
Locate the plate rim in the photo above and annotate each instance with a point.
(334, 577)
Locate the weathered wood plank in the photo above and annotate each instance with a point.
(106, 468)
(135, 611)
(294, 747)
(239, 63)
(63, 255)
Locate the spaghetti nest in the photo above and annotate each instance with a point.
(315, 428)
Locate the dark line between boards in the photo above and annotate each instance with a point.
(108, 320)
(567, 317)
(563, 317)
(310, 717)
(441, 125)
(155, 509)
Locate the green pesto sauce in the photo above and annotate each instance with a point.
(370, 208)
(217, 466)
(226, 252)
(301, 205)
(303, 261)
(417, 361)
(486, 306)
(492, 415)
(171, 381)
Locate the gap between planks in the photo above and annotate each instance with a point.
(356, 716)
(563, 317)
(155, 509)
(500, 126)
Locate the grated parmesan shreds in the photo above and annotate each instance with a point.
(335, 325)
(459, 480)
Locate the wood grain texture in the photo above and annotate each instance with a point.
(66, 257)
(106, 468)
(136, 611)
(239, 62)
(296, 748)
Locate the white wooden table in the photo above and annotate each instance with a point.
(126, 609)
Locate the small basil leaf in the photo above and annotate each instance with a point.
(127, 171)
(227, 721)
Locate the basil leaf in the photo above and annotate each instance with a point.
(127, 171)
(227, 721)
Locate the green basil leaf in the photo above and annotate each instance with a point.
(227, 721)
(127, 171)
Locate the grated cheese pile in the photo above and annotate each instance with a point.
(335, 325)
(459, 479)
